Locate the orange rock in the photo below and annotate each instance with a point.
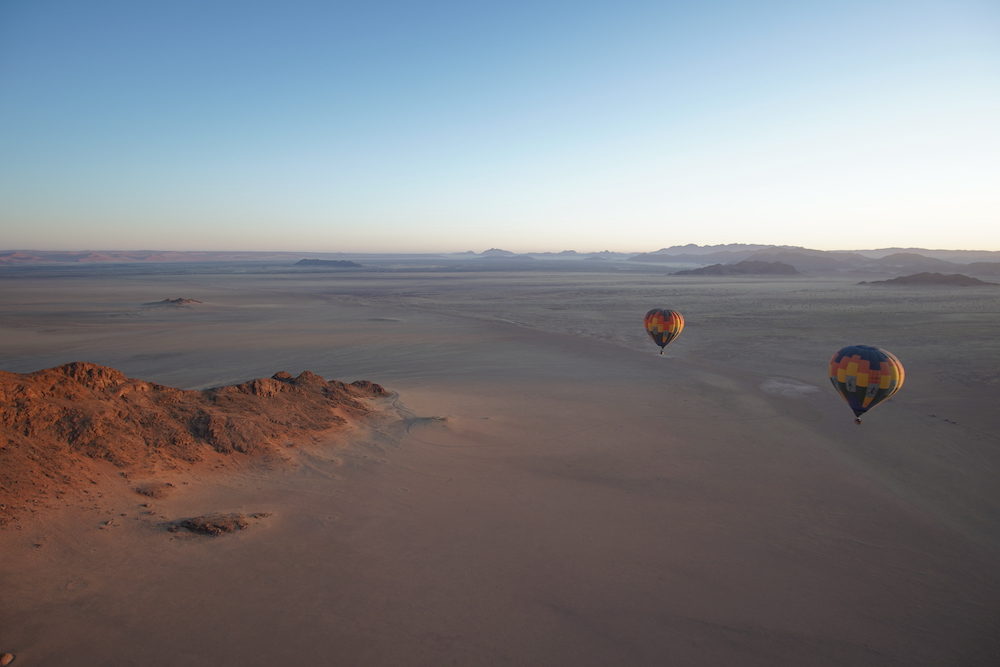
(52, 422)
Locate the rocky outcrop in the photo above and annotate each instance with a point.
(219, 524)
(56, 422)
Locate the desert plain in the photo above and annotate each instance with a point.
(541, 488)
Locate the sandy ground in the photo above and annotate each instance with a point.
(553, 491)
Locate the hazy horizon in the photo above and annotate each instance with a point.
(680, 247)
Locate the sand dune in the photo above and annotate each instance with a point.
(553, 491)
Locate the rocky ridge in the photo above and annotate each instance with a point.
(57, 424)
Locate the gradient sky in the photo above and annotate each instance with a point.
(531, 126)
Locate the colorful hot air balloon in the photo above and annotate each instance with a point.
(865, 376)
(663, 326)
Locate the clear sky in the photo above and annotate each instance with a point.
(531, 126)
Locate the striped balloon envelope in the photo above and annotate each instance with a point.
(865, 376)
(663, 326)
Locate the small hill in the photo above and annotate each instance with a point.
(176, 303)
(983, 268)
(329, 263)
(954, 279)
(913, 262)
(497, 252)
(745, 268)
(57, 424)
(959, 256)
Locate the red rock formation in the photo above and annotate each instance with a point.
(55, 423)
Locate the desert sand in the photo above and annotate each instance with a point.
(549, 490)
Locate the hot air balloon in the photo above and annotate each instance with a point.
(663, 326)
(865, 376)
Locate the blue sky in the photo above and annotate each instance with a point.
(448, 126)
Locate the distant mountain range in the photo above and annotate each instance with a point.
(747, 250)
(806, 260)
(895, 261)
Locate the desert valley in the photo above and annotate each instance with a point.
(483, 460)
